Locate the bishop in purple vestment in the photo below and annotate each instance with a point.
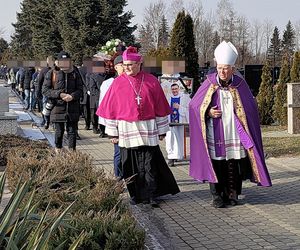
(226, 144)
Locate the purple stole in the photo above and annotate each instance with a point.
(219, 131)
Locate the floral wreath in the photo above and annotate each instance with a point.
(111, 49)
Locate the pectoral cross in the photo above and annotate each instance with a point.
(219, 143)
(138, 99)
(226, 98)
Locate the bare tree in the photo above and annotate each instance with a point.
(268, 28)
(2, 31)
(242, 40)
(257, 33)
(226, 20)
(153, 15)
(205, 45)
(297, 35)
(174, 8)
(195, 9)
(145, 38)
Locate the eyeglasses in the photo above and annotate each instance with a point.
(227, 68)
(128, 65)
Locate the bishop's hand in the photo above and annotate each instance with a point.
(214, 112)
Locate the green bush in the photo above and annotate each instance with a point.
(7, 142)
(70, 177)
(265, 98)
(23, 228)
(106, 230)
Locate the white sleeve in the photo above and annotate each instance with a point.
(111, 127)
(162, 124)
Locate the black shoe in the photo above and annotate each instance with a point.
(87, 127)
(96, 131)
(132, 201)
(102, 135)
(232, 202)
(78, 137)
(153, 203)
(171, 163)
(46, 125)
(218, 202)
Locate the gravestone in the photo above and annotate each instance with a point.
(293, 104)
(8, 120)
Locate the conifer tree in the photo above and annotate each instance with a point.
(280, 99)
(79, 27)
(46, 39)
(3, 49)
(295, 69)
(163, 36)
(192, 65)
(265, 95)
(182, 45)
(21, 42)
(3, 45)
(274, 50)
(178, 39)
(288, 41)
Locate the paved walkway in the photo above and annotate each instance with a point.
(268, 218)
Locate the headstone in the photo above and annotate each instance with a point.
(4, 102)
(8, 120)
(293, 104)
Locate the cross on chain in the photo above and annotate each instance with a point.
(138, 99)
(226, 98)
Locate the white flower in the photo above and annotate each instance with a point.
(108, 43)
(117, 43)
(114, 49)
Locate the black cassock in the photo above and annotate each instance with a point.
(147, 173)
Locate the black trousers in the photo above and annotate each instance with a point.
(71, 128)
(94, 118)
(230, 179)
(87, 112)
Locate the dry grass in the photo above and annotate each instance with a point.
(281, 145)
(269, 128)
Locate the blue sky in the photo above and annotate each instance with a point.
(279, 11)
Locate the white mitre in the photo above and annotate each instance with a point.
(226, 53)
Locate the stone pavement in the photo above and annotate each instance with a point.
(268, 218)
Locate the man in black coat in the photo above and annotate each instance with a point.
(26, 79)
(63, 87)
(96, 78)
(85, 99)
(44, 68)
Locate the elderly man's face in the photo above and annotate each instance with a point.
(225, 72)
(131, 68)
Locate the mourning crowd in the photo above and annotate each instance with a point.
(122, 102)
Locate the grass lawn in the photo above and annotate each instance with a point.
(281, 145)
(269, 128)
